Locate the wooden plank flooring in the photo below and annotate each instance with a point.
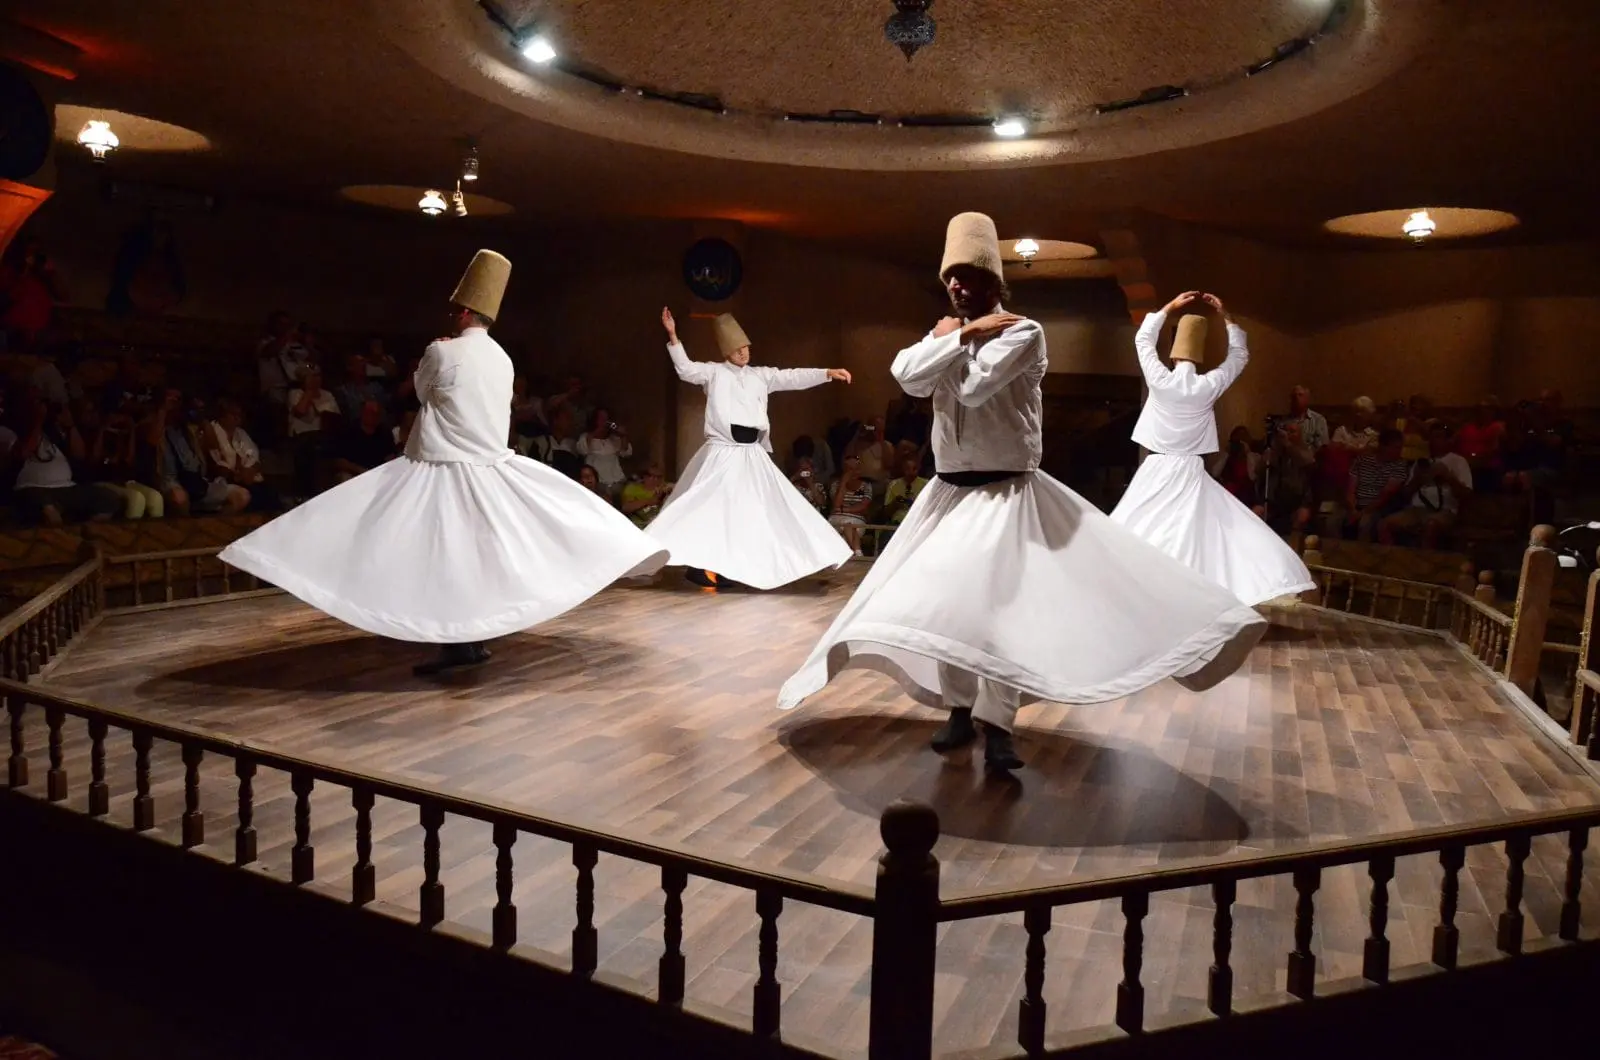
(652, 710)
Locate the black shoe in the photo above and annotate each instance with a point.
(999, 754)
(452, 657)
(957, 732)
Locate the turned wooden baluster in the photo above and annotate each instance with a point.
(1031, 1012)
(364, 877)
(55, 779)
(144, 807)
(194, 819)
(1430, 609)
(431, 896)
(671, 967)
(36, 658)
(244, 836)
(764, 1021)
(1219, 987)
(585, 941)
(1577, 843)
(99, 791)
(1130, 992)
(138, 595)
(17, 764)
(1375, 954)
(227, 579)
(1508, 932)
(1302, 962)
(8, 659)
(199, 578)
(505, 912)
(302, 856)
(47, 623)
(166, 580)
(1446, 936)
(1585, 730)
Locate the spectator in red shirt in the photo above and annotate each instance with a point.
(1480, 442)
(29, 291)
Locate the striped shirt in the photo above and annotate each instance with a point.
(1372, 475)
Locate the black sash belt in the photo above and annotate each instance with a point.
(976, 478)
(745, 435)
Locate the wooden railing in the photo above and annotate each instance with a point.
(1585, 718)
(905, 906)
(187, 576)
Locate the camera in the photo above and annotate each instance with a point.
(613, 427)
(1275, 424)
(805, 474)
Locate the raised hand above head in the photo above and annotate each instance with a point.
(667, 322)
(1216, 303)
(1179, 302)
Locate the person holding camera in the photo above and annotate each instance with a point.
(1173, 502)
(809, 483)
(733, 518)
(1435, 490)
(603, 447)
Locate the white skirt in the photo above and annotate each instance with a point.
(1026, 583)
(447, 552)
(1174, 504)
(733, 513)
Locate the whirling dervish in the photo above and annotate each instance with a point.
(1002, 585)
(460, 540)
(1173, 502)
(733, 517)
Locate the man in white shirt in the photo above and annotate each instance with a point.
(733, 519)
(1436, 487)
(1001, 583)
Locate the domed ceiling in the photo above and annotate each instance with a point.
(819, 84)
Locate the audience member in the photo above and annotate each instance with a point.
(875, 454)
(1313, 426)
(641, 501)
(1238, 467)
(1362, 433)
(1435, 489)
(366, 445)
(30, 288)
(589, 479)
(575, 400)
(808, 482)
(1289, 480)
(178, 468)
(281, 359)
(108, 461)
(380, 365)
(903, 491)
(852, 500)
(236, 458)
(45, 490)
(1415, 423)
(1377, 481)
(821, 457)
(603, 448)
(358, 389)
(1479, 441)
(306, 407)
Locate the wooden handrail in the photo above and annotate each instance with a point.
(1434, 587)
(813, 890)
(1492, 613)
(179, 553)
(33, 608)
(1197, 872)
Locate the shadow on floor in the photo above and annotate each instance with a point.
(1074, 793)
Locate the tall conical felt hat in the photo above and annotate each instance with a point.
(483, 285)
(972, 240)
(730, 336)
(1189, 344)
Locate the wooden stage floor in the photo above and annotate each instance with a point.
(652, 709)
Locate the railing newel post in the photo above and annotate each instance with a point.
(905, 926)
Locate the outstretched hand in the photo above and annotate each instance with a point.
(670, 324)
(840, 375)
(1182, 300)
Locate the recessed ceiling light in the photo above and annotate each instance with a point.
(538, 48)
(98, 138)
(1010, 128)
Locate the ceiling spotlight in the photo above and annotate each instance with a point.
(99, 139)
(459, 201)
(1010, 128)
(1026, 249)
(469, 164)
(1419, 226)
(431, 203)
(537, 48)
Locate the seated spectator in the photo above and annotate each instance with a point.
(1480, 441)
(380, 365)
(589, 479)
(1377, 484)
(281, 359)
(236, 458)
(1288, 482)
(909, 419)
(178, 469)
(368, 445)
(358, 389)
(852, 500)
(875, 454)
(1415, 423)
(1435, 490)
(641, 501)
(1362, 433)
(603, 448)
(1238, 467)
(807, 481)
(575, 399)
(109, 461)
(527, 411)
(46, 491)
(820, 456)
(903, 491)
(306, 408)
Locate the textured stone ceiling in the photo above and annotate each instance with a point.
(1052, 56)
(299, 98)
